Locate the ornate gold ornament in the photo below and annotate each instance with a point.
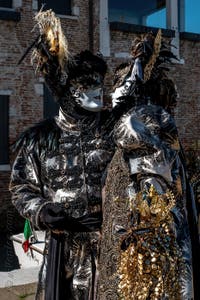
(150, 256)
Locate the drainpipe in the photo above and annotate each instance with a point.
(104, 28)
(172, 10)
(91, 25)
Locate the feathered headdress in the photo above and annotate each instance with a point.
(52, 37)
(154, 53)
(52, 59)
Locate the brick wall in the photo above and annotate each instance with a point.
(186, 77)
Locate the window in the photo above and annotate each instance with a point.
(4, 117)
(6, 3)
(61, 7)
(157, 19)
(7, 10)
(139, 12)
(192, 20)
(50, 106)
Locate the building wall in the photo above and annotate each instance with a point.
(26, 100)
(186, 77)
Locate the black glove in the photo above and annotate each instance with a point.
(90, 222)
(54, 216)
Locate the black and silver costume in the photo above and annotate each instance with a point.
(59, 169)
(63, 165)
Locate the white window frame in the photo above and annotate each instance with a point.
(104, 29)
(172, 12)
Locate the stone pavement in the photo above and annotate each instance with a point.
(18, 273)
(19, 284)
(26, 292)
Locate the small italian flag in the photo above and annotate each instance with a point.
(27, 234)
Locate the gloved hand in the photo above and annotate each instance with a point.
(90, 222)
(54, 216)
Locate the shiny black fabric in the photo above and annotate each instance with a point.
(56, 287)
(54, 216)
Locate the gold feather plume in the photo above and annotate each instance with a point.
(50, 28)
(157, 45)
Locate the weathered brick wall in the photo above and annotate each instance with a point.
(96, 25)
(186, 76)
(76, 30)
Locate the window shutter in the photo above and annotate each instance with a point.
(50, 106)
(61, 7)
(4, 123)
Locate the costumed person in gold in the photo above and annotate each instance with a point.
(149, 246)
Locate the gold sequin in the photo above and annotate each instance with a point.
(155, 254)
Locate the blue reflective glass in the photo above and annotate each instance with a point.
(192, 19)
(141, 12)
(157, 19)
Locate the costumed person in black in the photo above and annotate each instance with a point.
(56, 179)
(149, 247)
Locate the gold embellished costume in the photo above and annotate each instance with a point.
(146, 250)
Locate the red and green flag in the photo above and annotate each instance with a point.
(27, 234)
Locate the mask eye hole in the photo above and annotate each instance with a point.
(72, 91)
(81, 88)
(76, 91)
(77, 94)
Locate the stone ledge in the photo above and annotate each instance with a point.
(132, 28)
(19, 277)
(5, 167)
(190, 36)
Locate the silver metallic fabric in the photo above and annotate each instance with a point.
(63, 161)
(145, 228)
